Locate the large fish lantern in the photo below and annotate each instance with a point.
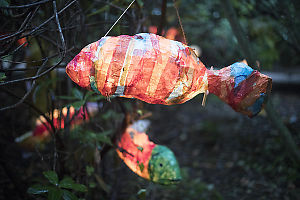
(161, 71)
(151, 161)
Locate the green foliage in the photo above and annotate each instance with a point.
(52, 177)
(2, 76)
(5, 3)
(80, 99)
(141, 194)
(57, 189)
(90, 137)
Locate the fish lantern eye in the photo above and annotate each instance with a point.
(163, 166)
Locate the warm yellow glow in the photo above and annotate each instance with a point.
(65, 111)
(55, 113)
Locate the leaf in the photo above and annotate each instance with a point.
(141, 165)
(140, 2)
(67, 97)
(68, 183)
(104, 139)
(89, 170)
(142, 194)
(77, 93)
(79, 187)
(55, 193)
(78, 104)
(37, 189)
(67, 195)
(88, 94)
(96, 98)
(51, 176)
(140, 148)
(92, 185)
(2, 76)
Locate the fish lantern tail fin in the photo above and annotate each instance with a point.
(244, 89)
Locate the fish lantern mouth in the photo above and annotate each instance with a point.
(169, 181)
(251, 93)
(80, 68)
(163, 166)
(255, 100)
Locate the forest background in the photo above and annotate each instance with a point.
(222, 154)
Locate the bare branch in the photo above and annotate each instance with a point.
(27, 93)
(59, 28)
(25, 6)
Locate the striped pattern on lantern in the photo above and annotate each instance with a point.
(144, 66)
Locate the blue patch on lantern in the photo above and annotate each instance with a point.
(256, 107)
(240, 71)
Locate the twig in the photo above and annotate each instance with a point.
(42, 24)
(59, 29)
(25, 6)
(27, 62)
(180, 23)
(27, 93)
(20, 30)
(23, 25)
(33, 107)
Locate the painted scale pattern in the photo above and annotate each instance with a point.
(162, 71)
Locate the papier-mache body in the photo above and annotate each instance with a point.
(162, 71)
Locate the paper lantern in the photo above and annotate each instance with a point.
(162, 71)
(147, 159)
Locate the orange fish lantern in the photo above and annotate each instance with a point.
(162, 71)
(147, 159)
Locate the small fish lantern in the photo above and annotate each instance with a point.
(151, 161)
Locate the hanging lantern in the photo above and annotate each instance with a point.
(147, 159)
(162, 71)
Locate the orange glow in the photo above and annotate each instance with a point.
(22, 41)
(171, 33)
(152, 29)
(58, 119)
(138, 149)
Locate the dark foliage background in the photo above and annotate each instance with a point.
(222, 154)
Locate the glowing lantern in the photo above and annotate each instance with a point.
(150, 161)
(161, 71)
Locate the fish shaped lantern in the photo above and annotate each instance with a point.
(147, 159)
(162, 71)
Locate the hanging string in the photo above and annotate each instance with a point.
(180, 23)
(119, 18)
